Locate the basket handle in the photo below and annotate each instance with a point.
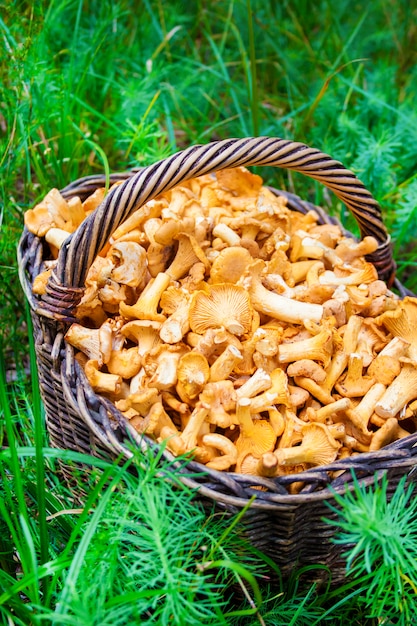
(65, 286)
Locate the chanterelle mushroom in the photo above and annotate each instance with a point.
(102, 382)
(317, 348)
(401, 391)
(274, 305)
(189, 252)
(161, 365)
(143, 332)
(219, 398)
(51, 212)
(309, 368)
(354, 383)
(125, 363)
(223, 306)
(175, 302)
(193, 373)
(146, 307)
(129, 260)
(224, 365)
(256, 436)
(317, 448)
(230, 265)
(277, 393)
(225, 446)
(89, 341)
(402, 322)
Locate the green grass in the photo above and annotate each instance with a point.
(97, 85)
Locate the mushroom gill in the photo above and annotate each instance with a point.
(223, 305)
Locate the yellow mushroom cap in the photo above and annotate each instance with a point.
(223, 305)
(125, 363)
(102, 382)
(402, 322)
(261, 440)
(39, 221)
(40, 282)
(240, 180)
(193, 373)
(229, 266)
(256, 436)
(130, 263)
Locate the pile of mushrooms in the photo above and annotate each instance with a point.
(239, 331)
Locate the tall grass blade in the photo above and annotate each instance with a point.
(39, 430)
(254, 97)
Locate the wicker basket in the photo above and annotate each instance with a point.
(288, 527)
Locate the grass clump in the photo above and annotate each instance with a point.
(381, 535)
(150, 558)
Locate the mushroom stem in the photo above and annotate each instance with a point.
(316, 390)
(192, 429)
(335, 369)
(401, 391)
(330, 409)
(259, 381)
(276, 306)
(366, 406)
(243, 415)
(299, 270)
(277, 421)
(102, 382)
(56, 236)
(173, 403)
(174, 443)
(227, 235)
(226, 447)
(276, 394)
(189, 252)
(224, 365)
(305, 248)
(354, 384)
(389, 431)
(177, 325)
(351, 334)
(146, 307)
(268, 465)
(317, 348)
(396, 348)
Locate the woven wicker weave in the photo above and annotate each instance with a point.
(288, 527)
